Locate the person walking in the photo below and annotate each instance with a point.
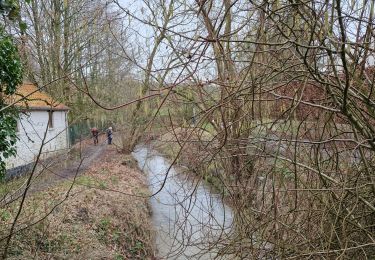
(95, 135)
(109, 135)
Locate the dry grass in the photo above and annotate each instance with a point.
(100, 219)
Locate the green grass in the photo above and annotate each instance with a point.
(209, 128)
(5, 215)
(102, 185)
(91, 182)
(114, 179)
(137, 248)
(103, 229)
(119, 257)
(12, 185)
(85, 181)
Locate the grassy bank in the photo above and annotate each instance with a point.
(100, 217)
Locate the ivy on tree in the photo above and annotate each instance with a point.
(10, 78)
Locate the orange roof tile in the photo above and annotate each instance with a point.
(30, 97)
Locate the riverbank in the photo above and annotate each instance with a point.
(102, 214)
(193, 156)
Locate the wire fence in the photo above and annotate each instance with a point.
(82, 130)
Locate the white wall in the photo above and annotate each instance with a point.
(31, 132)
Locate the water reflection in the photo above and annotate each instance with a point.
(190, 220)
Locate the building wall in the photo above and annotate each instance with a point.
(31, 129)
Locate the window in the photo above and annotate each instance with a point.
(50, 119)
(18, 126)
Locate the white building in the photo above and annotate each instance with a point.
(40, 114)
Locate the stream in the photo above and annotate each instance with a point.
(189, 219)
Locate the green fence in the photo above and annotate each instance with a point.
(82, 130)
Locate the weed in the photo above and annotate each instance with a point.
(104, 223)
(115, 179)
(136, 248)
(116, 237)
(103, 229)
(5, 215)
(119, 257)
(85, 180)
(102, 185)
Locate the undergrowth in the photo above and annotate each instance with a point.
(93, 222)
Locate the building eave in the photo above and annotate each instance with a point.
(24, 109)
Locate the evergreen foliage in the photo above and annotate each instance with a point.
(10, 78)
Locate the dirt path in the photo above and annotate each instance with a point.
(67, 166)
(60, 168)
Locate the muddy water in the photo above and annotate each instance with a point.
(190, 221)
